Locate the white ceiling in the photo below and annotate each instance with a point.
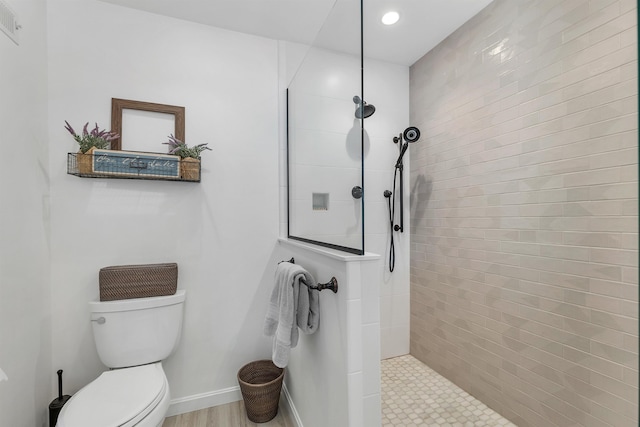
(423, 23)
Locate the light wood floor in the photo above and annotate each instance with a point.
(229, 415)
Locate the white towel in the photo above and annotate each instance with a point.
(292, 305)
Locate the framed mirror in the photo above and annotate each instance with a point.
(143, 126)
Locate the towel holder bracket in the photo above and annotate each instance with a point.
(332, 284)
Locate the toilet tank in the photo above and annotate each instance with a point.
(137, 331)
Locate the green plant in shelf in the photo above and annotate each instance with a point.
(95, 138)
(181, 149)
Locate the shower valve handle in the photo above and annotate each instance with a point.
(356, 192)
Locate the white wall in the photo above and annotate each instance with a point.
(339, 365)
(221, 232)
(25, 318)
(373, 304)
(387, 87)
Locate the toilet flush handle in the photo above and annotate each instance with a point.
(100, 320)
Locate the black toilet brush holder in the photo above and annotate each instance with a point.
(56, 404)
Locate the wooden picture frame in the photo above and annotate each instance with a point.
(117, 105)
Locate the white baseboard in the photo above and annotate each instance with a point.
(222, 397)
(204, 400)
(291, 407)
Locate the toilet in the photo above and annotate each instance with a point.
(132, 338)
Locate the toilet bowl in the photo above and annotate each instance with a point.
(127, 397)
(132, 337)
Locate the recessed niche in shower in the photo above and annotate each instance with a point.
(320, 201)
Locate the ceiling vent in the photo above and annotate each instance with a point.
(8, 21)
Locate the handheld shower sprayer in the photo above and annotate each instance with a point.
(410, 135)
(403, 150)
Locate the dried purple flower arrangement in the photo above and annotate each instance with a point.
(181, 149)
(94, 138)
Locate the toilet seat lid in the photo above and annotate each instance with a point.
(117, 398)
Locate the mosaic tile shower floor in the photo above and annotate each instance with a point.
(415, 395)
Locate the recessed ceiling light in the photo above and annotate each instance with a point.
(390, 18)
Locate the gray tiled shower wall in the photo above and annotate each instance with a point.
(524, 215)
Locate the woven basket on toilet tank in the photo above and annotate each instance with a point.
(138, 281)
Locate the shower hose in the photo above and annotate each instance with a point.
(391, 202)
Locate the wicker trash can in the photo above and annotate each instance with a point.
(260, 384)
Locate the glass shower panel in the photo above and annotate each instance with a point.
(325, 136)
